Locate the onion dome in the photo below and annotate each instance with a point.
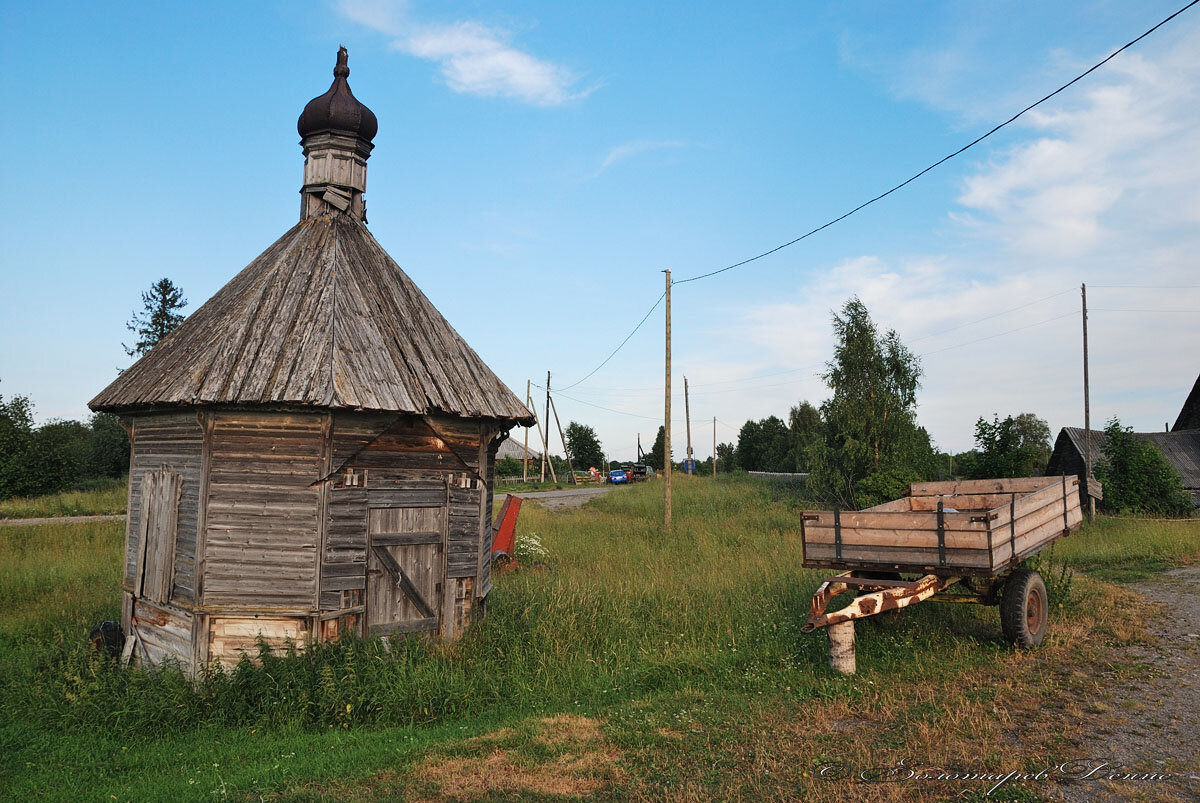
(338, 110)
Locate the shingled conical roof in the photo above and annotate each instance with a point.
(323, 318)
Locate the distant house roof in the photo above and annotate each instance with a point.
(1189, 416)
(1182, 450)
(514, 447)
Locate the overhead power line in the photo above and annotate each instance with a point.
(995, 315)
(1001, 334)
(1112, 309)
(626, 340)
(899, 186)
(948, 157)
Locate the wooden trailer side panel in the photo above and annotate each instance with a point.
(1040, 518)
(894, 540)
(1018, 485)
(973, 540)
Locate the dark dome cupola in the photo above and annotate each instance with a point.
(338, 110)
(336, 132)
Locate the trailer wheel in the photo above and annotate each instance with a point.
(1024, 609)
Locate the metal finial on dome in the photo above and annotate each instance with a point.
(342, 68)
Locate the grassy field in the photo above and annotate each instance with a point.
(634, 665)
(107, 498)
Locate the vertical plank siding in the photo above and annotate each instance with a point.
(484, 584)
(173, 441)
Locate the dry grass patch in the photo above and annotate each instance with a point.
(1020, 712)
(560, 756)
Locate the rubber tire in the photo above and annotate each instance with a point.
(107, 638)
(1024, 609)
(889, 616)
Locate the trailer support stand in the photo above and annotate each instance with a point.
(841, 647)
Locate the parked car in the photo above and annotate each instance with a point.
(618, 476)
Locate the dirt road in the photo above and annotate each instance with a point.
(60, 519)
(555, 500)
(562, 500)
(1154, 724)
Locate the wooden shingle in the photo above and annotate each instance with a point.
(323, 318)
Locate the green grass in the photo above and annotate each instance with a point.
(1129, 549)
(108, 497)
(694, 630)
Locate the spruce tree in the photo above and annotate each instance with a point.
(158, 318)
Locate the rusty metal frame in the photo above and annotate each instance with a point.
(885, 595)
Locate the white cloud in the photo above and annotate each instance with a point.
(1120, 152)
(1103, 187)
(637, 147)
(474, 58)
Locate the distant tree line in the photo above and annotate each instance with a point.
(64, 455)
(863, 445)
(58, 455)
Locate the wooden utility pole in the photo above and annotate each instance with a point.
(687, 415)
(714, 447)
(639, 459)
(546, 434)
(525, 456)
(563, 438)
(667, 417)
(1087, 413)
(542, 438)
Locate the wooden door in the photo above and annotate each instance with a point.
(158, 528)
(405, 569)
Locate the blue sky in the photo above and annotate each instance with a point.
(538, 165)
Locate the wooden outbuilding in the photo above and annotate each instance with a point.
(1181, 448)
(313, 448)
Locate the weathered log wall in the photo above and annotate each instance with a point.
(262, 522)
(397, 462)
(274, 509)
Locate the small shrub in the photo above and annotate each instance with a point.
(1137, 478)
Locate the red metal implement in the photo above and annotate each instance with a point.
(504, 534)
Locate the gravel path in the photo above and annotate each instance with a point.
(54, 519)
(1155, 724)
(562, 500)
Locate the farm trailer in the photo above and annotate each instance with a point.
(972, 533)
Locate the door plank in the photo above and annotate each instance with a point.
(406, 539)
(402, 579)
